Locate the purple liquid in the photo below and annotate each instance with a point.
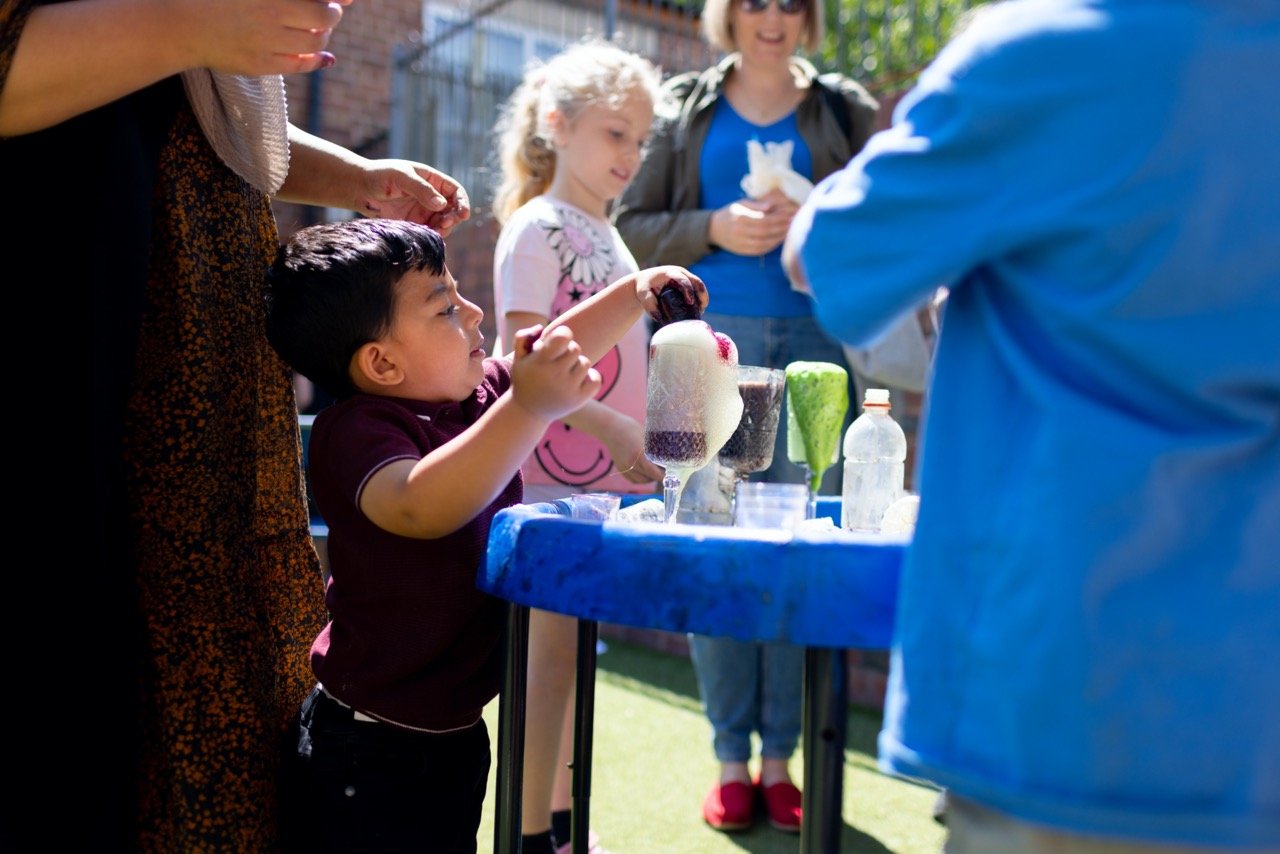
(669, 448)
(750, 448)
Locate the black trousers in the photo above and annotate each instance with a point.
(358, 786)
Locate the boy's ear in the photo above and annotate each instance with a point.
(375, 366)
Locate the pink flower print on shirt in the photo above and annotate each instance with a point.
(586, 255)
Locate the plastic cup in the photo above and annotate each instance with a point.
(594, 505)
(770, 505)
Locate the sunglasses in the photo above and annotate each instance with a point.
(786, 7)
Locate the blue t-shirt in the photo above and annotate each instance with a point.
(753, 286)
(1088, 631)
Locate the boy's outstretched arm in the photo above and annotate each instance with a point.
(438, 494)
(600, 321)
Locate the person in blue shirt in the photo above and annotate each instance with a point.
(1089, 622)
(687, 205)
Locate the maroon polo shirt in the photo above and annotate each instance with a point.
(410, 638)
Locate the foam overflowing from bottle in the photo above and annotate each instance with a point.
(693, 401)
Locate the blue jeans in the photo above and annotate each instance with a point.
(749, 687)
(755, 687)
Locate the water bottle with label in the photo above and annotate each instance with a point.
(875, 453)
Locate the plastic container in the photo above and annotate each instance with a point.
(875, 453)
(673, 308)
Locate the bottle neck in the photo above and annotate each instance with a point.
(876, 408)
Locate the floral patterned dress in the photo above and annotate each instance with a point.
(205, 593)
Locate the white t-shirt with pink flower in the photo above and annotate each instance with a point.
(550, 256)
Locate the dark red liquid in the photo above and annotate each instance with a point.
(750, 448)
(675, 447)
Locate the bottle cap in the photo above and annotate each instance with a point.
(876, 397)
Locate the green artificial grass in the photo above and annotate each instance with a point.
(652, 766)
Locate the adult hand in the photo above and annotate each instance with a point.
(550, 377)
(651, 281)
(255, 37)
(123, 46)
(404, 189)
(753, 226)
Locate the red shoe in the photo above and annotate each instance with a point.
(730, 806)
(782, 803)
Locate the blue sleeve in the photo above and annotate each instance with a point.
(982, 154)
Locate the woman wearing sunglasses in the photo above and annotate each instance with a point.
(687, 206)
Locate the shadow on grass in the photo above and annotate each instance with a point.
(765, 840)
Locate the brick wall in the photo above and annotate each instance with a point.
(355, 94)
(353, 98)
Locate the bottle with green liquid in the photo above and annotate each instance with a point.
(817, 400)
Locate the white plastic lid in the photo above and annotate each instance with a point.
(876, 397)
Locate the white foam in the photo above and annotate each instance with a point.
(690, 333)
(694, 384)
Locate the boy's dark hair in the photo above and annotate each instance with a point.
(331, 290)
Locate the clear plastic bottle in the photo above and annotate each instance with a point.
(875, 453)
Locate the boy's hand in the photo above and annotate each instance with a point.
(650, 282)
(550, 377)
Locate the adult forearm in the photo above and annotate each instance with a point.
(321, 173)
(75, 57)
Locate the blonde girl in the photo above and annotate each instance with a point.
(570, 138)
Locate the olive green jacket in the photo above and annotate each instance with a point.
(658, 214)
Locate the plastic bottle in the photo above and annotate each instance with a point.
(875, 452)
(673, 308)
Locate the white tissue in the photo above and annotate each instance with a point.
(649, 510)
(900, 517)
(769, 168)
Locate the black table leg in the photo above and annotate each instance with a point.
(825, 723)
(583, 717)
(506, 826)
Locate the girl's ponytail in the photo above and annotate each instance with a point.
(525, 156)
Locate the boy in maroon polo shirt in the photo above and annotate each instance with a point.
(408, 468)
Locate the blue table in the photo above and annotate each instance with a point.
(826, 591)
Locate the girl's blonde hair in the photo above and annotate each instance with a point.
(719, 31)
(589, 72)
